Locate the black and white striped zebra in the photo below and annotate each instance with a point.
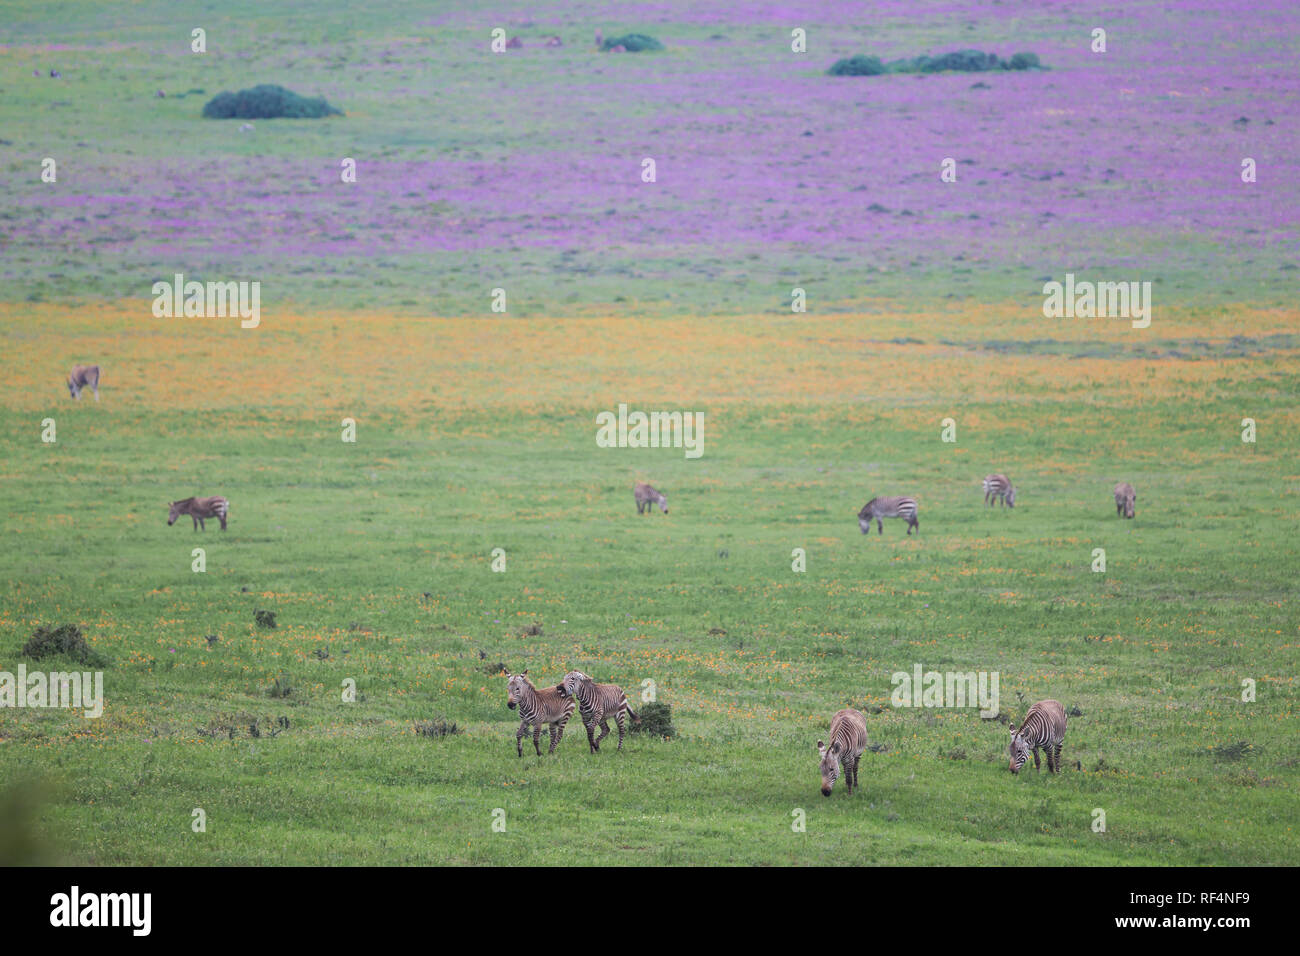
(901, 507)
(200, 509)
(1043, 727)
(848, 740)
(998, 487)
(596, 704)
(1125, 499)
(537, 707)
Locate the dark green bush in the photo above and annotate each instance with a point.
(655, 719)
(962, 61)
(66, 640)
(633, 43)
(267, 101)
(264, 618)
(858, 66)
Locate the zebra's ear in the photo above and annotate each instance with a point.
(820, 746)
(525, 673)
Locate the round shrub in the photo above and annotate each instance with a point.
(267, 101)
(858, 66)
(632, 43)
(1024, 61)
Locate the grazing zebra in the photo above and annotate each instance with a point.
(877, 508)
(647, 497)
(1125, 499)
(1043, 726)
(199, 509)
(999, 487)
(537, 707)
(83, 375)
(596, 703)
(848, 740)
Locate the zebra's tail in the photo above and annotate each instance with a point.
(636, 718)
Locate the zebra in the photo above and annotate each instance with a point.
(1043, 726)
(1125, 499)
(596, 703)
(537, 707)
(999, 487)
(647, 497)
(199, 509)
(848, 740)
(877, 508)
(83, 375)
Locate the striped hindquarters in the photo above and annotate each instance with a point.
(213, 507)
(849, 731)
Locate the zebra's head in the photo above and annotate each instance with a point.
(830, 766)
(864, 517)
(515, 689)
(572, 681)
(174, 513)
(72, 386)
(663, 503)
(1019, 751)
(1011, 497)
(1130, 500)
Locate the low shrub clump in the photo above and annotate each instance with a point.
(655, 719)
(65, 640)
(960, 61)
(267, 101)
(632, 43)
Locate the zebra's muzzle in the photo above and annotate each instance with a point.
(510, 704)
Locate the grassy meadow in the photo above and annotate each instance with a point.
(476, 431)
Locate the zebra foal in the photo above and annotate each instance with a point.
(998, 487)
(82, 376)
(1043, 726)
(597, 703)
(537, 707)
(901, 507)
(200, 509)
(848, 740)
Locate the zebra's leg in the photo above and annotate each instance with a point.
(880, 526)
(537, 738)
(618, 719)
(592, 746)
(1056, 758)
(554, 738)
(559, 732)
(604, 730)
(222, 519)
(1037, 765)
(196, 522)
(519, 737)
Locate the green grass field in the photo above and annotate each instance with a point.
(378, 555)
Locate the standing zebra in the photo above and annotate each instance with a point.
(999, 487)
(537, 707)
(877, 508)
(1125, 499)
(1043, 726)
(199, 509)
(597, 703)
(647, 497)
(83, 375)
(848, 740)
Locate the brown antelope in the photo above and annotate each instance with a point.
(199, 509)
(83, 375)
(1125, 499)
(647, 497)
